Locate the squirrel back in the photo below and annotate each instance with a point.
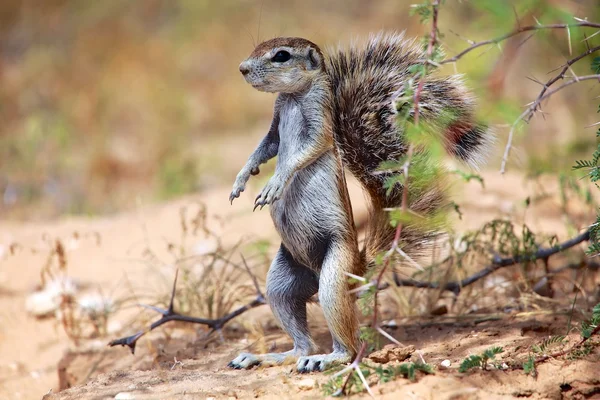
(366, 83)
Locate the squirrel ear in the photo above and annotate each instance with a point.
(314, 59)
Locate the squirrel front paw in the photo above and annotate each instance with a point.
(240, 182)
(270, 193)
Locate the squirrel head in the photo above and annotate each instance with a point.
(283, 65)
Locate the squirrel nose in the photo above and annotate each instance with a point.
(244, 69)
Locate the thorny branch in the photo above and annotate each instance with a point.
(534, 107)
(171, 315)
(544, 94)
(497, 263)
(518, 31)
(528, 113)
(561, 75)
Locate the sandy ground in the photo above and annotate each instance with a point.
(31, 348)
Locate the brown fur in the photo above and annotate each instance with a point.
(274, 43)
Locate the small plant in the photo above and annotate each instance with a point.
(354, 383)
(384, 373)
(541, 349)
(405, 370)
(581, 349)
(529, 366)
(591, 168)
(588, 327)
(547, 344)
(481, 360)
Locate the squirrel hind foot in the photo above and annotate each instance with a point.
(322, 362)
(249, 360)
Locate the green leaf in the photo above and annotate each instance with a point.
(468, 177)
(529, 366)
(470, 362)
(423, 10)
(547, 344)
(490, 354)
(480, 361)
(596, 65)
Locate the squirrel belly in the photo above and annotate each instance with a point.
(313, 211)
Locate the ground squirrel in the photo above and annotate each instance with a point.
(333, 111)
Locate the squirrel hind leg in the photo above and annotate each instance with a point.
(338, 306)
(289, 286)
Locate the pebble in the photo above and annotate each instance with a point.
(391, 352)
(124, 396)
(306, 384)
(390, 324)
(446, 363)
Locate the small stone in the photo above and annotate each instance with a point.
(440, 310)
(47, 301)
(124, 396)
(446, 363)
(391, 352)
(306, 384)
(204, 247)
(392, 324)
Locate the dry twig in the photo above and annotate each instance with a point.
(497, 263)
(518, 31)
(171, 315)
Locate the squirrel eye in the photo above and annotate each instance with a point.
(281, 56)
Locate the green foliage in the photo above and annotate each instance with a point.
(590, 165)
(423, 10)
(384, 373)
(371, 337)
(596, 65)
(405, 370)
(529, 366)
(591, 168)
(502, 237)
(547, 344)
(333, 386)
(582, 351)
(588, 326)
(480, 360)
(469, 176)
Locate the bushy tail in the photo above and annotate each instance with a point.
(366, 81)
(415, 238)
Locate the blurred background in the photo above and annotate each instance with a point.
(104, 104)
(108, 106)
